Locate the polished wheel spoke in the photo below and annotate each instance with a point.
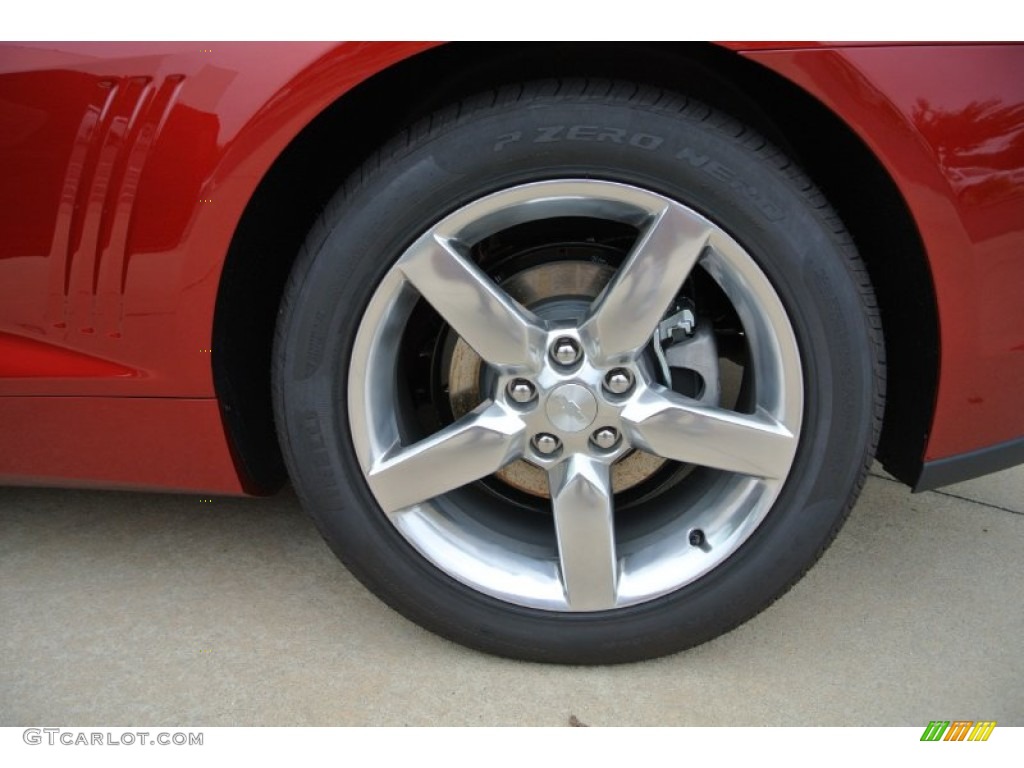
(480, 443)
(582, 499)
(626, 315)
(500, 330)
(672, 426)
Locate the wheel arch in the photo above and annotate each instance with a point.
(315, 164)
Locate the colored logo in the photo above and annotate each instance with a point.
(958, 730)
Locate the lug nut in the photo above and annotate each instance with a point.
(521, 390)
(546, 444)
(618, 381)
(565, 351)
(605, 437)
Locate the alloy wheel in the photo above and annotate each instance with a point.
(572, 389)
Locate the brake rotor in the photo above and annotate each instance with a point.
(555, 291)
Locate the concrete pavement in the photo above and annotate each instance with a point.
(125, 608)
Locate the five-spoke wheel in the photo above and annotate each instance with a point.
(572, 397)
(578, 372)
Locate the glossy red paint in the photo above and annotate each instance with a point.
(127, 166)
(116, 442)
(24, 358)
(948, 124)
(126, 169)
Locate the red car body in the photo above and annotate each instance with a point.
(136, 179)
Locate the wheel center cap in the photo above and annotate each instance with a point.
(571, 408)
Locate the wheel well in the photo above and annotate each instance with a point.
(316, 163)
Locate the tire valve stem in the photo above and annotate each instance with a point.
(699, 540)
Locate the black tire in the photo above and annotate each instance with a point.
(616, 132)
